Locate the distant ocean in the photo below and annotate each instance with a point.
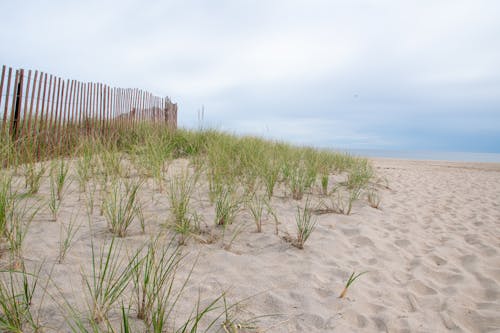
(426, 155)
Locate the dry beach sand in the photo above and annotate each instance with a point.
(432, 252)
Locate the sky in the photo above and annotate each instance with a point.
(357, 74)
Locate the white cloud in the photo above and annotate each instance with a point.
(282, 58)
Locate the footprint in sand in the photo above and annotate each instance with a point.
(490, 287)
(401, 277)
(420, 288)
(438, 260)
(468, 261)
(447, 321)
(488, 251)
(350, 231)
(380, 324)
(315, 320)
(363, 241)
(412, 302)
(472, 239)
(355, 319)
(449, 290)
(402, 242)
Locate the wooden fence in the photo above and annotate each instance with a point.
(34, 103)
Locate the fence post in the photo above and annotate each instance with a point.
(1, 90)
(17, 106)
(6, 108)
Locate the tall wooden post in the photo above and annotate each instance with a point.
(17, 106)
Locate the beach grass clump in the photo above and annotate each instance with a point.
(227, 206)
(189, 143)
(339, 201)
(298, 181)
(7, 201)
(16, 215)
(110, 275)
(298, 177)
(306, 223)
(110, 163)
(153, 155)
(121, 205)
(353, 277)
(251, 157)
(359, 175)
(89, 197)
(59, 175)
(153, 275)
(85, 165)
(33, 176)
(270, 172)
(67, 235)
(343, 196)
(342, 162)
(157, 291)
(16, 230)
(222, 166)
(326, 166)
(258, 205)
(16, 293)
(54, 201)
(180, 192)
(7, 152)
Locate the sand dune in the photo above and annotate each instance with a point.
(432, 252)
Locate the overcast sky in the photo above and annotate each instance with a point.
(411, 75)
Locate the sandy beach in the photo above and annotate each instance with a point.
(431, 252)
(250, 166)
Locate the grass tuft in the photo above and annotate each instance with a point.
(180, 191)
(350, 281)
(227, 206)
(121, 206)
(33, 176)
(108, 279)
(258, 205)
(16, 293)
(67, 234)
(306, 223)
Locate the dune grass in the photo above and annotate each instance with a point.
(85, 167)
(59, 174)
(67, 233)
(125, 285)
(16, 230)
(16, 215)
(257, 204)
(227, 206)
(108, 279)
(121, 205)
(306, 223)
(33, 176)
(153, 155)
(353, 277)
(153, 273)
(7, 201)
(17, 288)
(180, 192)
